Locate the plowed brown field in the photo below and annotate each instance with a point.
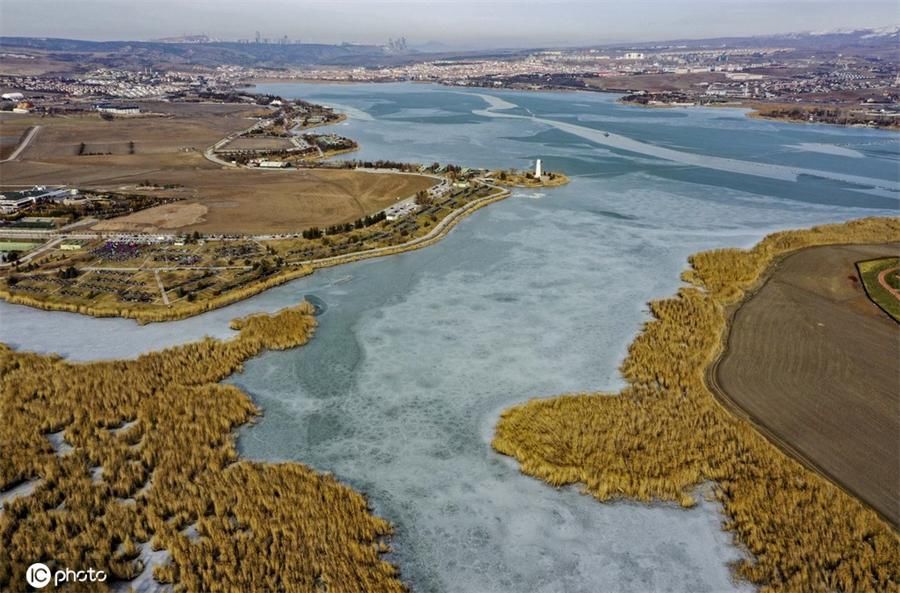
(816, 366)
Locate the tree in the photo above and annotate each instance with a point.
(423, 198)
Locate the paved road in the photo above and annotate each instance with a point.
(210, 153)
(160, 268)
(23, 145)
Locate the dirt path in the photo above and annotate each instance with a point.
(882, 280)
(162, 289)
(23, 145)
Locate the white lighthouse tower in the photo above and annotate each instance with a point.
(537, 169)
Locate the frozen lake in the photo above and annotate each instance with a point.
(537, 295)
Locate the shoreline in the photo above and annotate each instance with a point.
(300, 270)
(559, 180)
(794, 520)
(183, 419)
(751, 110)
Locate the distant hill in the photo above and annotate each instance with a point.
(882, 39)
(141, 53)
(881, 43)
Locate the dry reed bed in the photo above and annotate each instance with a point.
(161, 427)
(664, 434)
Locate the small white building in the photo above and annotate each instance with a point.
(537, 169)
(13, 96)
(398, 211)
(273, 164)
(118, 109)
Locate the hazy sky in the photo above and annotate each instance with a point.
(456, 23)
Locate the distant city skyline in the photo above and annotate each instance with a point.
(504, 23)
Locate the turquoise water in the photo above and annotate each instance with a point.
(537, 295)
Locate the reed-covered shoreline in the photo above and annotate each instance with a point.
(665, 434)
(152, 462)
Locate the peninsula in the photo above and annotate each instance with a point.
(666, 432)
(133, 220)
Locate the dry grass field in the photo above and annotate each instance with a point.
(177, 126)
(36, 64)
(259, 201)
(122, 154)
(814, 363)
(12, 129)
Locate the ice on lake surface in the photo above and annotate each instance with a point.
(417, 354)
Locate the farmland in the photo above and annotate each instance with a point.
(814, 363)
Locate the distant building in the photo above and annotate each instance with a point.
(273, 164)
(537, 169)
(11, 205)
(634, 55)
(118, 109)
(13, 201)
(13, 96)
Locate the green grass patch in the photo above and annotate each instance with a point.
(17, 246)
(888, 270)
